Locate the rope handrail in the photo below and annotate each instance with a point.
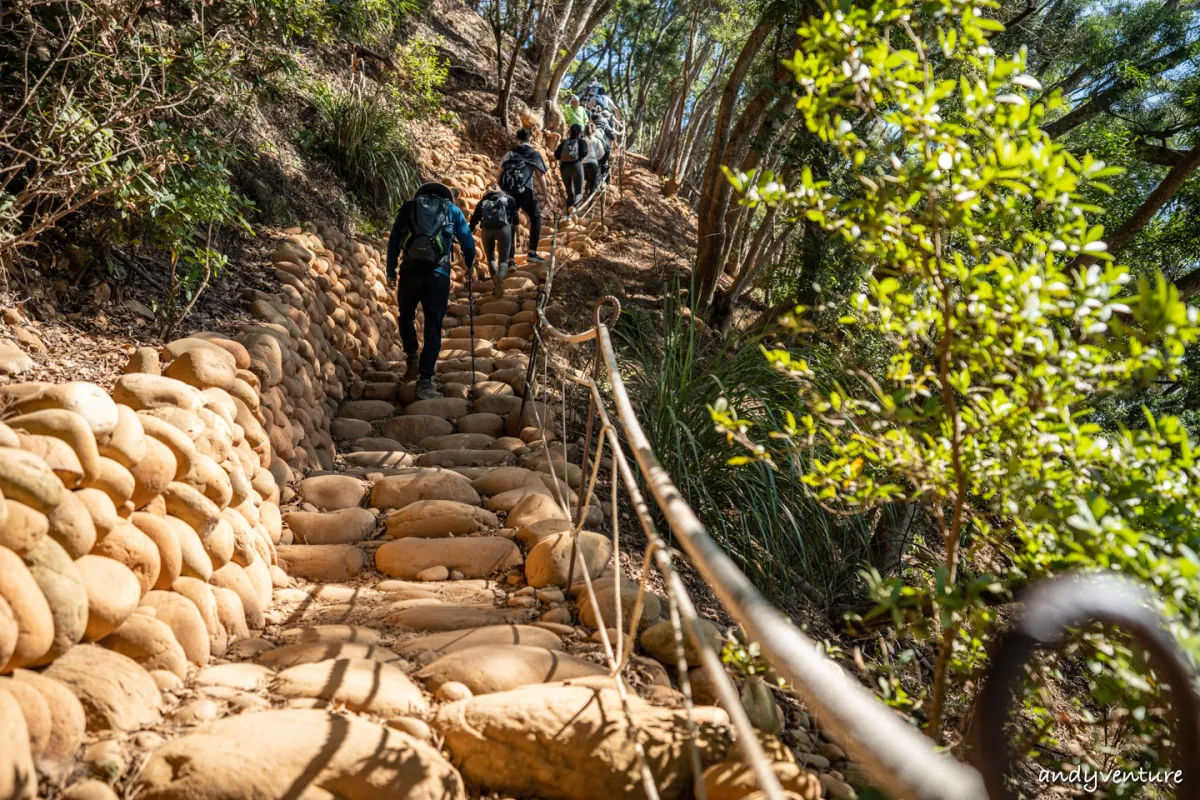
(899, 757)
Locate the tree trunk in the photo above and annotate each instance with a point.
(582, 77)
(892, 537)
(805, 291)
(545, 42)
(504, 74)
(707, 270)
(501, 109)
(673, 123)
(696, 128)
(752, 160)
(668, 150)
(713, 236)
(747, 271)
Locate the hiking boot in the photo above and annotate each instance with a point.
(427, 391)
(534, 258)
(411, 368)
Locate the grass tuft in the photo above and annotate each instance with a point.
(763, 518)
(365, 139)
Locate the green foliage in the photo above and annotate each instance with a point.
(128, 137)
(321, 21)
(999, 348)
(285, 20)
(133, 142)
(420, 75)
(363, 134)
(743, 659)
(369, 19)
(185, 204)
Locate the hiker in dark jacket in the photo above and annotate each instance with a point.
(497, 213)
(424, 234)
(570, 154)
(522, 169)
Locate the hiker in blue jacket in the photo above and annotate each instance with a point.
(424, 234)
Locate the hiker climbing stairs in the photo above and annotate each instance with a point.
(258, 567)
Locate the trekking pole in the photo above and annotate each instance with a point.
(471, 325)
(531, 367)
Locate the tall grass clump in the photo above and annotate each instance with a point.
(792, 549)
(364, 137)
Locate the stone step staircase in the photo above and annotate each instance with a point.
(392, 617)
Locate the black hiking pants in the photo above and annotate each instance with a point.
(591, 174)
(498, 243)
(572, 178)
(527, 201)
(429, 288)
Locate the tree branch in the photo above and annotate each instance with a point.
(1161, 195)
(1162, 156)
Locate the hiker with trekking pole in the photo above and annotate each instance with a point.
(496, 215)
(422, 240)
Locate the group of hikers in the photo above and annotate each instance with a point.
(594, 126)
(423, 235)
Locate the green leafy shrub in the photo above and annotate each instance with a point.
(369, 19)
(320, 21)
(283, 20)
(187, 203)
(114, 133)
(420, 75)
(363, 134)
(999, 350)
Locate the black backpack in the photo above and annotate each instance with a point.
(427, 241)
(495, 212)
(516, 175)
(571, 152)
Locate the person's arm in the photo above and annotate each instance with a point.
(395, 241)
(558, 150)
(537, 167)
(462, 232)
(477, 214)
